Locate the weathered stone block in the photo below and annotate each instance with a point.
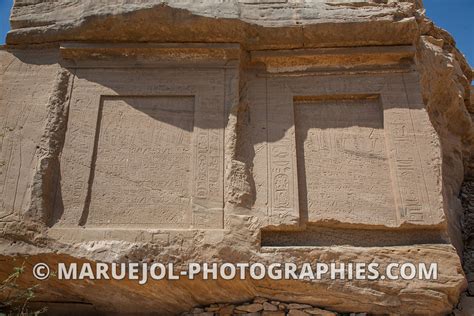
(235, 131)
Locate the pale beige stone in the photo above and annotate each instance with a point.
(269, 307)
(298, 306)
(267, 131)
(260, 300)
(227, 310)
(250, 308)
(320, 312)
(282, 306)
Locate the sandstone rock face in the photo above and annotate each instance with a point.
(235, 131)
(252, 23)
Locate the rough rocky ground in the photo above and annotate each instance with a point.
(263, 307)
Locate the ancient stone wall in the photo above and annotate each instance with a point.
(236, 131)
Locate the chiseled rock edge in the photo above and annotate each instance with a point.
(255, 25)
(46, 174)
(445, 78)
(447, 93)
(41, 14)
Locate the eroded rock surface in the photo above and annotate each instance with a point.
(237, 131)
(252, 23)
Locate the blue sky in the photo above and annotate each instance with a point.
(456, 16)
(5, 6)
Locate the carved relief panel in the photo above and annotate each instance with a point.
(345, 148)
(144, 148)
(143, 161)
(342, 159)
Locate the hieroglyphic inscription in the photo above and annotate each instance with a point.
(202, 164)
(342, 162)
(215, 159)
(208, 164)
(409, 178)
(143, 161)
(281, 175)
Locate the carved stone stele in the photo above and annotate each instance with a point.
(234, 131)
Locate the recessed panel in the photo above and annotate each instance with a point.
(142, 162)
(343, 169)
